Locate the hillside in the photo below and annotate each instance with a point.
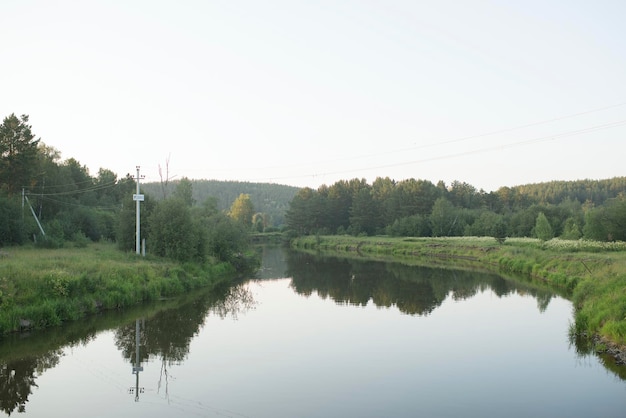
(272, 199)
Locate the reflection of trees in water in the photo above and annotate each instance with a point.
(167, 334)
(273, 265)
(25, 357)
(17, 378)
(237, 300)
(413, 290)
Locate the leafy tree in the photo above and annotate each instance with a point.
(595, 228)
(172, 232)
(615, 218)
(226, 239)
(607, 222)
(571, 230)
(12, 229)
(260, 221)
(18, 154)
(543, 229)
(410, 226)
(488, 224)
(444, 218)
(301, 216)
(464, 195)
(106, 190)
(184, 191)
(365, 213)
(242, 210)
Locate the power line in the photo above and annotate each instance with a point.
(71, 192)
(465, 153)
(61, 202)
(440, 143)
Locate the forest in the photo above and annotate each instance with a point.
(53, 203)
(588, 209)
(270, 200)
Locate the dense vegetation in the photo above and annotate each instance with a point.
(55, 203)
(45, 288)
(591, 209)
(270, 201)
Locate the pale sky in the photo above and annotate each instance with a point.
(304, 93)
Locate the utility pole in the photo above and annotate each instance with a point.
(138, 198)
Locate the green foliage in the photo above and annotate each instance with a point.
(410, 226)
(608, 222)
(365, 212)
(226, 239)
(571, 231)
(267, 198)
(358, 208)
(445, 219)
(184, 191)
(242, 210)
(487, 224)
(172, 232)
(543, 229)
(18, 154)
(47, 288)
(12, 229)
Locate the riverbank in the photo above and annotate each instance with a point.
(591, 274)
(43, 288)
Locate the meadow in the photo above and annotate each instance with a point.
(46, 287)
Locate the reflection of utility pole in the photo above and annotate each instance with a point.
(137, 367)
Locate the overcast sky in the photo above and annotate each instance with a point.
(492, 93)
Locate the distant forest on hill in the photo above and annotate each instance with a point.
(592, 209)
(268, 198)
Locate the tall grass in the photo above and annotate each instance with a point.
(41, 288)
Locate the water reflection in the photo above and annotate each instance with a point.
(166, 335)
(17, 379)
(153, 338)
(162, 331)
(413, 290)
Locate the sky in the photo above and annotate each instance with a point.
(305, 93)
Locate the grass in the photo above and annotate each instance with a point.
(591, 274)
(41, 288)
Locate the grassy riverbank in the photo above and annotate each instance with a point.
(42, 288)
(592, 274)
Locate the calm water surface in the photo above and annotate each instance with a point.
(320, 337)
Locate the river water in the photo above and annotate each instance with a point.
(320, 337)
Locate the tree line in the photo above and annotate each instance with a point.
(590, 209)
(192, 219)
(53, 202)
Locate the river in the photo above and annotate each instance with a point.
(320, 337)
